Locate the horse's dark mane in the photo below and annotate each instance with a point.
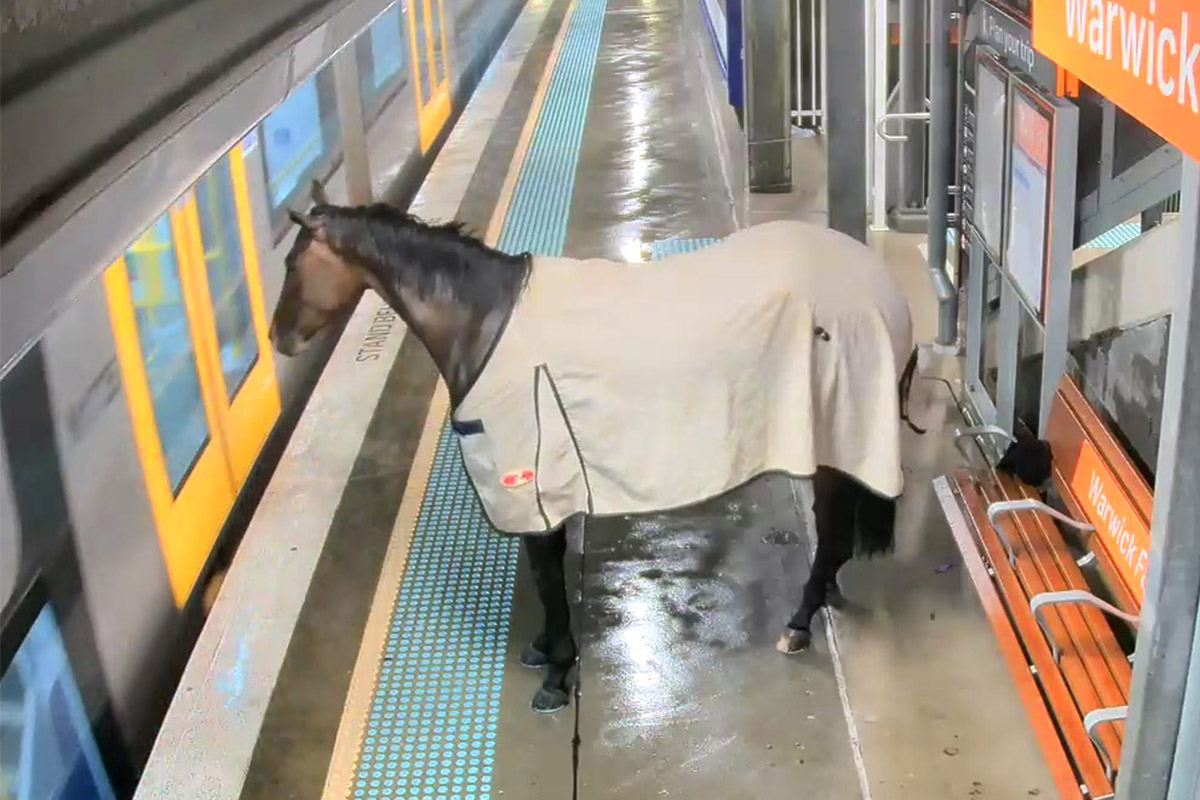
(432, 258)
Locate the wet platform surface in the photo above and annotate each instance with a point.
(681, 678)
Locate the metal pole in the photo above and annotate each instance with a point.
(846, 115)
(767, 68)
(1168, 617)
(941, 139)
(354, 134)
(879, 167)
(912, 100)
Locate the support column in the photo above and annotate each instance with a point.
(1167, 630)
(354, 135)
(912, 100)
(846, 115)
(941, 147)
(766, 29)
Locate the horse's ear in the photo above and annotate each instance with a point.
(308, 222)
(302, 219)
(318, 193)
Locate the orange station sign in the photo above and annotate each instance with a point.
(1144, 55)
(1107, 506)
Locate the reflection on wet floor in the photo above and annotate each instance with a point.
(683, 691)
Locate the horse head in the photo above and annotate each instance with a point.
(319, 286)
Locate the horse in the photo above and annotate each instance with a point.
(580, 439)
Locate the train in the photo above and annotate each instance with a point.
(141, 409)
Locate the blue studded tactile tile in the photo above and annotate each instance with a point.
(541, 204)
(431, 732)
(669, 247)
(1116, 236)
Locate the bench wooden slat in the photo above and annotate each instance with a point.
(1057, 694)
(1044, 729)
(1114, 685)
(1090, 657)
(1063, 621)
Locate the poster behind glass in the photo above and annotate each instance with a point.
(1029, 174)
(990, 96)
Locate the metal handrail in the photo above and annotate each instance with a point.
(916, 116)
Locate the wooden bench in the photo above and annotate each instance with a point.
(1030, 562)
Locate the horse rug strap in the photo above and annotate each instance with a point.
(623, 388)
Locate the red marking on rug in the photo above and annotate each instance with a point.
(512, 480)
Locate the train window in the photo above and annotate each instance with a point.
(300, 140)
(221, 241)
(380, 56)
(47, 748)
(166, 348)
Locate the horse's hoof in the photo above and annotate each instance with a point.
(793, 641)
(533, 658)
(548, 701)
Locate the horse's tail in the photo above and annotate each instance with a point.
(906, 381)
(874, 524)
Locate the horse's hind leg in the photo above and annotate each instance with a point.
(555, 648)
(834, 502)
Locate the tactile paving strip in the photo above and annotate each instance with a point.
(431, 731)
(669, 247)
(1116, 236)
(432, 727)
(541, 204)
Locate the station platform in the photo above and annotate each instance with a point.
(365, 641)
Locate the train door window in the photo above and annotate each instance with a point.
(171, 393)
(438, 35)
(229, 302)
(164, 335)
(431, 68)
(47, 748)
(221, 240)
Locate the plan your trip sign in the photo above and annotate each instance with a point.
(1143, 55)
(1013, 41)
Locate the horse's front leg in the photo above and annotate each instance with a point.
(834, 499)
(554, 648)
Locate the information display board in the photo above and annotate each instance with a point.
(991, 95)
(1028, 196)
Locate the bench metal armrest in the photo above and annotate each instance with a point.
(1043, 599)
(981, 430)
(1025, 504)
(1094, 719)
